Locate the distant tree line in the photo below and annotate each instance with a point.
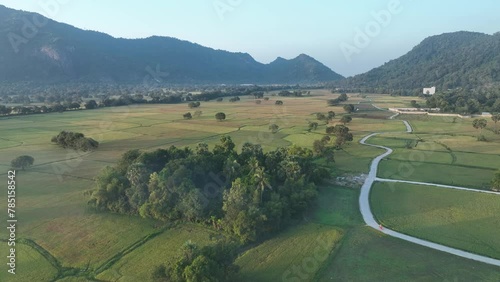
(334, 102)
(463, 101)
(248, 194)
(61, 98)
(75, 140)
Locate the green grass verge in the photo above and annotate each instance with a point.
(367, 255)
(297, 253)
(30, 265)
(460, 219)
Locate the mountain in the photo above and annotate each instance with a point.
(447, 61)
(38, 49)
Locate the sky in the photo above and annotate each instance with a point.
(349, 36)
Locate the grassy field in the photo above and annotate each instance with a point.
(52, 206)
(30, 265)
(138, 265)
(441, 152)
(461, 219)
(295, 254)
(367, 255)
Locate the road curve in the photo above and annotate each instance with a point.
(364, 204)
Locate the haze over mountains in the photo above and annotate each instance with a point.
(37, 49)
(447, 61)
(56, 52)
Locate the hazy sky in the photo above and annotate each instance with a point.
(348, 36)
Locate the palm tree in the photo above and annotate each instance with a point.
(262, 181)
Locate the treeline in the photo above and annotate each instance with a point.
(467, 101)
(247, 194)
(296, 93)
(123, 96)
(334, 102)
(75, 140)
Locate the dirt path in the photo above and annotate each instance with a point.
(364, 205)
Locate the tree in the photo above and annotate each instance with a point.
(198, 113)
(318, 147)
(479, 124)
(266, 98)
(313, 126)
(349, 108)
(220, 116)
(346, 119)
(495, 118)
(92, 104)
(220, 99)
(22, 162)
(342, 134)
(274, 128)
(187, 116)
(194, 105)
(279, 103)
(74, 106)
(331, 115)
(258, 102)
(320, 116)
(343, 97)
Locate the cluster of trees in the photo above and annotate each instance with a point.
(235, 99)
(341, 133)
(190, 116)
(334, 102)
(279, 103)
(296, 93)
(349, 108)
(75, 140)
(328, 117)
(210, 263)
(22, 162)
(192, 105)
(248, 194)
(466, 101)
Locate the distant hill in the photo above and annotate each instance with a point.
(58, 52)
(447, 61)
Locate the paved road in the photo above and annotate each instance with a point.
(364, 204)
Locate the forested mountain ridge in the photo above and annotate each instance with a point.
(447, 61)
(38, 49)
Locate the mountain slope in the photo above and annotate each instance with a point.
(58, 52)
(450, 60)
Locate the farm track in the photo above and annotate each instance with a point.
(368, 217)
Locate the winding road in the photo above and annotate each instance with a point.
(364, 204)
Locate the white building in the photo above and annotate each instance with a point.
(430, 91)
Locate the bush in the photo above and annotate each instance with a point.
(75, 140)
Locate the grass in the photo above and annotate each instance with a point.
(368, 255)
(138, 265)
(54, 214)
(30, 265)
(295, 254)
(337, 206)
(437, 173)
(460, 219)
